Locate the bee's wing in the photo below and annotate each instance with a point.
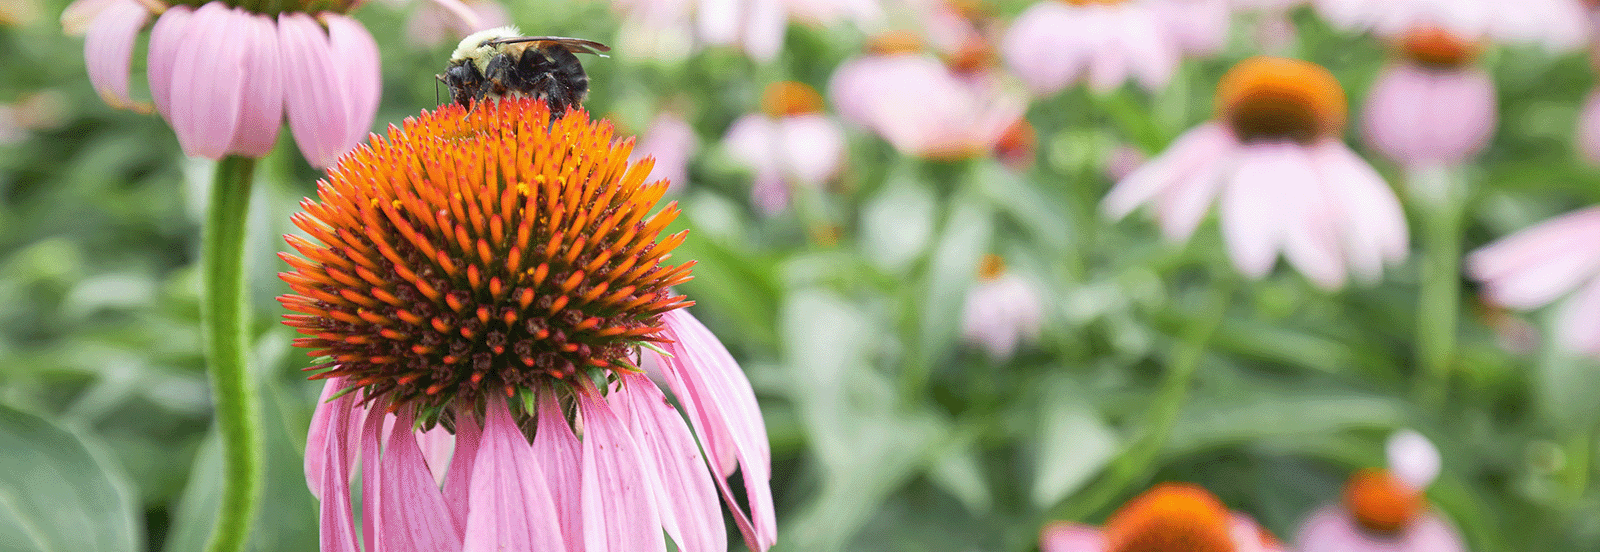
(574, 45)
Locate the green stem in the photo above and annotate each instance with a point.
(1136, 462)
(223, 322)
(1444, 208)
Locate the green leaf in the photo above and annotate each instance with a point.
(1074, 444)
(57, 493)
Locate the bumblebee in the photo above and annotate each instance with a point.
(500, 62)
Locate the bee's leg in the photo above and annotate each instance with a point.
(499, 77)
(557, 95)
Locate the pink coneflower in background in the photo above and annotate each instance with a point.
(789, 143)
(503, 307)
(1004, 310)
(1385, 510)
(756, 26)
(1053, 44)
(224, 77)
(1558, 24)
(1432, 107)
(1170, 517)
(1285, 179)
(1588, 138)
(433, 23)
(922, 106)
(671, 142)
(1545, 262)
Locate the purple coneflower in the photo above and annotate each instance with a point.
(1433, 106)
(1385, 510)
(1536, 266)
(1171, 517)
(1285, 179)
(221, 73)
(496, 275)
(756, 26)
(923, 106)
(790, 142)
(435, 22)
(1003, 310)
(1056, 44)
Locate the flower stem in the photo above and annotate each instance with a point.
(1139, 457)
(1440, 301)
(223, 323)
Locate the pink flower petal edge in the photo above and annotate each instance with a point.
(722, 409)
(1064, 536)
(108, 48)
(261, 110)
(687, 498)
(619, 505)
(165, 35)
(208, 81)
(507, 484)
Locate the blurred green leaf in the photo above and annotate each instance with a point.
(58, 493)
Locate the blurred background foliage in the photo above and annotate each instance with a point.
(888, 432)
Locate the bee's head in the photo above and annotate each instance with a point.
(475, 48)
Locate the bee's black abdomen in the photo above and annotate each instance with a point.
(554, 74)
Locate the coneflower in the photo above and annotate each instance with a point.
(497, 274)
(1171, 517)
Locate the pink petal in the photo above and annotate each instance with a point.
(685, 494)
(1370, 218)
(458, 480)
(1045, 46)
(208, 81)
(1064, 536)
(319, 114)
(1151, 49)
(1589, 128)
(619, 506)
(1203, 146)
(80, 14)
(752, 139)
(509, 501)
(261, 114)
(671, 141)
(1431, 534)
(329, 439)
(355, 56)
(1412, 458)
(722, 409)
(1254, 206)
(812, 147)
(438, 445)
(555, 445)
(408, 513)
(718, 20)
(457, 15)
(1311, 239)
(162, 57)
(1330, 529)
(1535, 266)
(108, 49)
(764, 27)
(1429, 117)
(1578, 328)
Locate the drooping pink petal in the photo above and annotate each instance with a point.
(1425, 117)
(458, 481)
(1412, 458)
(1432, 533)
(557, 448)
(372, 437)
(509, 500)
(1071, 537)
(1200, 27)
(409, 513)
(672, 142)
(1311, 236)
(329, 439)
(1538, 264)
(718, 20)
(1578, 325)
(318, 106)
(1330, 529)
(1001, 313)
(764, 26)
(208, 81)
(438, 445)
(619, 506)
(1044, 47)
(1246, 534)
(1181, 209)
(355, 57)
(1150, 46)
(1253, 206)
(722, 408)
(1200, 147)
(162, 56)
(108, 49)
(752, 139)
(685, 495)
(1371, 223)
(1589, 128)
(261, 113)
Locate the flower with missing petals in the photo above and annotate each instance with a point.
(789, 143)
(476, 279)
(1433, 106)
(1384, 510)
(224, 75)
(1172, 517)
(1540, 264)
(1285, 179)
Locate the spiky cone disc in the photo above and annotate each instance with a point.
(478, 251)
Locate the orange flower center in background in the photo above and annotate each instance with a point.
(1277, 99)
(484, 251)
(790, 98)
(1018, 144)
(974, 55)
(991, 267)
(895, 42)
(1172, 517)
(1380, 502)
(1436, 48)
